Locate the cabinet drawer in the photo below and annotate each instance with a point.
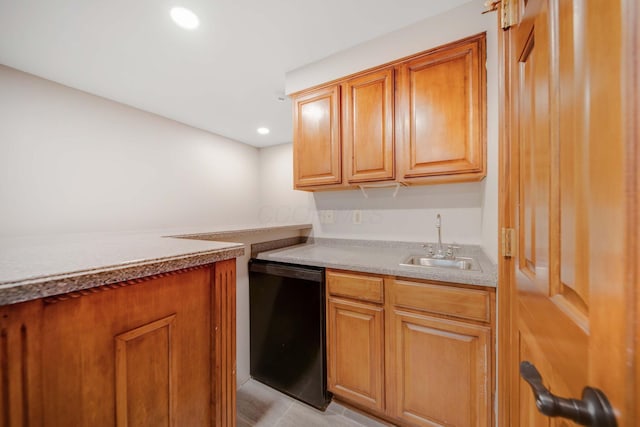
(473, 304)
(362, 287)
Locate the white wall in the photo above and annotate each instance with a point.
(410, 216)
(469, 211)
(279, 202)
(74, 162)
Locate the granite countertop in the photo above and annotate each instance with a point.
(383, 258)
(42, 266)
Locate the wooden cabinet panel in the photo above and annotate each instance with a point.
(316, 138)
(369, 127)
(146, 375)
(154, 338)
(20, 382)
(356, 348)
(442, 105)
(157, 351)
(223, 311)
(439, 371)
(358, 286)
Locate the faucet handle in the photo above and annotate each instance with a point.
(451, 251)
(429, 249)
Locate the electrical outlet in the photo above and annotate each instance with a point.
(357, 217)
(327, 217)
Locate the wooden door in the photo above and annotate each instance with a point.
(440, 103)
(369, 130)
(441, 371)
(568, 181)
(356, 351)
(317, 145)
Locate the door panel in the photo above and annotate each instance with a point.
(572, 286)
(546, 317)
(565, 148)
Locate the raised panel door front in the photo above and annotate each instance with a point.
(440, 371)
(569, 174)
(369, 128)
(356, 349)
(145, 375)
(316, 138)
(442, 109)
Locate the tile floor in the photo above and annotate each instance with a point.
(262, 406)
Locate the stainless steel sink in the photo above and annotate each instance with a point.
(457, 263)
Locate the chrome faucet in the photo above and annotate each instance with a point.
(439, 253)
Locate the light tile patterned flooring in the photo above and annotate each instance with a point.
(262, 406)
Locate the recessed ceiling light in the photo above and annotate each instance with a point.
(263, 131)
(185, 18)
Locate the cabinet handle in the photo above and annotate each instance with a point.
(592, 410)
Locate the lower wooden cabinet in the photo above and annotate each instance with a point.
(150, 352)
(439, 371)
(414, 352)
(356, 348)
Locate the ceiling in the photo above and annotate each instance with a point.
(224, 77)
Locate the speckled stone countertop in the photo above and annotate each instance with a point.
(383, 258)
(42, 266)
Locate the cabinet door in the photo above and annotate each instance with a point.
(316, 138)
(369, 129)
(355, 348)
(441, 102)
(439, 371)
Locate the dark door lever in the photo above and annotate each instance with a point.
(592, 410)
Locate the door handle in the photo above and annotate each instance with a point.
(592, 410)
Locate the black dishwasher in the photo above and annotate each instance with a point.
(287, 314)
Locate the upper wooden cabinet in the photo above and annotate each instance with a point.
(417, 120)
(317, 149)
(441, 106)
(368, 127)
